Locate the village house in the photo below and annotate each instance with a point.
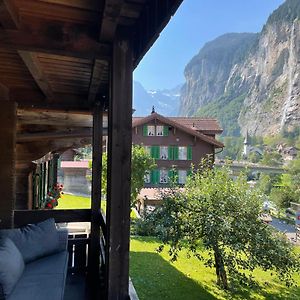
(176, 143)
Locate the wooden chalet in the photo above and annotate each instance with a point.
(65, 78)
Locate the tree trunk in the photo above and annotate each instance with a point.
(220, 269)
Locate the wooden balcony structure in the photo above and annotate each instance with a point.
(65, 66)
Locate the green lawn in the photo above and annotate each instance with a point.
(78, 202)
(155, 277)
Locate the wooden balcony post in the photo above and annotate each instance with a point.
(119, 168)
(8, 117)
(94, 250)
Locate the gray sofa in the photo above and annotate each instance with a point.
(43, 273)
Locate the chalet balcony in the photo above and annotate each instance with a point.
(61, 63)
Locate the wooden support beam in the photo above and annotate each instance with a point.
(100, 69)
(119, 168)
(31, 61)
(8, 14)
(94, 263)
(110, 18)
(8, 118)
(56, 39)
(4, 92)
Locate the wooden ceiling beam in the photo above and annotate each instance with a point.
(99, 70)
(66, 43)
(8, 14)
(54, 135)
(31, 61)
(93, 5)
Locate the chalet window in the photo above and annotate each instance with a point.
(163, 176)
(147, 177)
(150, 130)
(164, 152)
(182, 153)
(182, 176)
(159, 130)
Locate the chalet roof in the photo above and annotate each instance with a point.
(178, 123)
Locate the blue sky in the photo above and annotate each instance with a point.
(195, 23)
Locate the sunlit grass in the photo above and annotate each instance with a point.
(79, 202)
(155, 277)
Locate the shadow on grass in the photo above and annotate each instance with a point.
(155, 278)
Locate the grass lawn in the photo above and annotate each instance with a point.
(78, 202)
(155, 277)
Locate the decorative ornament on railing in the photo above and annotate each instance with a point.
(53, 195)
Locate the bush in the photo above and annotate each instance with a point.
(145, 226)
(283, 196)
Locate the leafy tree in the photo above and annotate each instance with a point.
(141, 162)
(271, 158)
(222, 215)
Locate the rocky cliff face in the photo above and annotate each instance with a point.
(252, 81)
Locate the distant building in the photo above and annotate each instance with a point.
(175, 142)
(248, 149)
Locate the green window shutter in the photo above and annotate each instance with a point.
(166, 130)
(170, 153)
(176, 152)
(189, 152)
(154, 176)
(156, 152)
(171, 175)
(145, 130)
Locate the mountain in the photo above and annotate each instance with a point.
(166, 102)
(249, 81)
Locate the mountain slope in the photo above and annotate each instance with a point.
(249, 81)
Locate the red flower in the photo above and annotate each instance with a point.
(49, 205)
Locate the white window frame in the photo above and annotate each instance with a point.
(147, 177)
(163, 152)
(151, 130)
(160, 130)
(163, 176)
(182, 175)
(182, 153)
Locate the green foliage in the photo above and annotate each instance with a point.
(222, 215)
(264, 184)
(145, 226)
(141, 161)
(271, 158)
(226, 109)
(233, 147)
(283, 196)
(254, 157)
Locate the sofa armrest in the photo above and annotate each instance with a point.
(63, 238)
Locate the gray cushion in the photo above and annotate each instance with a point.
(11, 266)
(34, 240)
(39, 287)
(52, 264)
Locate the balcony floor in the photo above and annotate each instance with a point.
(76, 287)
